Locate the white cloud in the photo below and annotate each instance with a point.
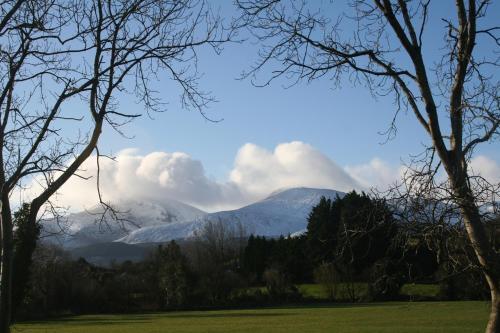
(256, 173)
(486, 167)
(155, 176)
(380, 174)
(161, 175)
(376, 173)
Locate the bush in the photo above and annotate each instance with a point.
(386, 282)
(279, 286)
(327, 276)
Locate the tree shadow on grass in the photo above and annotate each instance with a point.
(146, 319)
(335, 305)
(230, 315)
(262, 312)
(95, 320)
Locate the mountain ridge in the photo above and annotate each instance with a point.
(283, 212)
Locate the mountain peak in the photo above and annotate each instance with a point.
(284, 212)
(303, 193)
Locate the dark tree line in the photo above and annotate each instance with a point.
(358, 239)
(203, 272)
(350, 241)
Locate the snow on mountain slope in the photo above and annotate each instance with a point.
(282, 213)
(85, 228)
(163, 233)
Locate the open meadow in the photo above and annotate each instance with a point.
(376, 317)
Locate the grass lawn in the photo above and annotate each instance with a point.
(420, 290)
(342, 291)
(376, 317)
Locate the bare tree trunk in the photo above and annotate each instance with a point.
(489, 268)
(487, 257)
(5, 271)
(306, 52)
(109, 55)
(493, 321)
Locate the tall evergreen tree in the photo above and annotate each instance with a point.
(322, 230)
(25, 238)
(365, 230)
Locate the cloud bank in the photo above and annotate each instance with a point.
(376, 173)
(256, 173)
(486, 167)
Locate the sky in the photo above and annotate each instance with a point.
(267, 138)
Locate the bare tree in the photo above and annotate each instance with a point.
(218, 246)
(64, 67)
(381, 43)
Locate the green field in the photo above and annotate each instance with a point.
(341, 293)
(316, 291)
(375, 317)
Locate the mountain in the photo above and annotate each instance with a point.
(282, 213)
(86, 228)
(103, 254)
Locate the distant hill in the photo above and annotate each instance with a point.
(282, 213)
(84, 228)
(103, 254)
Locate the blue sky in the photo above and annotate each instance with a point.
(338, 131)
(344, 124)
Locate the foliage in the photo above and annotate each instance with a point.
(278, 284)
(327, 276)
(365, 232)
(322, 229)
(256, 256)
(371, 257)
(25, 237)
(173, 275)
(217, 259)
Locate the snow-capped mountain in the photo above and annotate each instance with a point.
(87, 228)
(282, 213)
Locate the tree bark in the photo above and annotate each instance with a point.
(489, 267)
(488, 259)
(493, 321)
(6, 269)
